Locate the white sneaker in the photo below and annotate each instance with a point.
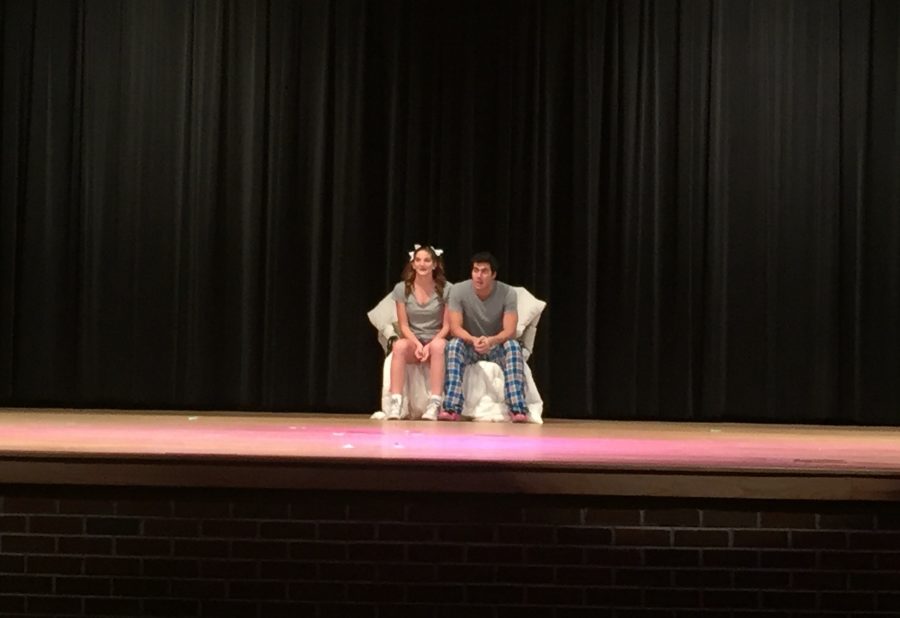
(431, 410)
(393, 413)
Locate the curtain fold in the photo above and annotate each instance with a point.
(199, 201)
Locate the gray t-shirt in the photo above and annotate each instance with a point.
(483, 317)
(424, 320)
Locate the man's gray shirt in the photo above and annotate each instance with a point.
(483, 317)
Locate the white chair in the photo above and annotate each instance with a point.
(482, 381)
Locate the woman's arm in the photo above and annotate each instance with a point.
(403, 320)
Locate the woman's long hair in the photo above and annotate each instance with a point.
(440, 279)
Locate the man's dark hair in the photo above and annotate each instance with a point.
(485, 257)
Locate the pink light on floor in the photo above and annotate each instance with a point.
(590, 444)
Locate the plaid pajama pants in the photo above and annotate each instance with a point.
(460, 355)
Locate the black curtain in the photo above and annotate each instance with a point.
(201, 200)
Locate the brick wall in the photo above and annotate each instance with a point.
(131, 552)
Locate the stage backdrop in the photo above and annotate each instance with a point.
(201, 200)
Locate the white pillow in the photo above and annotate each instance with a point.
(383, 317)
(529, 309)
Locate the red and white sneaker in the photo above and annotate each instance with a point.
(448, 415)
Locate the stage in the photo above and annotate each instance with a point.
(227, 514)
(353, 453)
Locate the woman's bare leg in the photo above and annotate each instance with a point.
(403, 353)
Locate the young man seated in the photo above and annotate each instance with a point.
(483, 323)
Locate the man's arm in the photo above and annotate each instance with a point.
(510, 319)
(456, 327)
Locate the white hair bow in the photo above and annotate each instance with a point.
(412, 254)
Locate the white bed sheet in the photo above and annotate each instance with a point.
(482, 389)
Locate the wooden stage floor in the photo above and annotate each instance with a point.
(351, 452)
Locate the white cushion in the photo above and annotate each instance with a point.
(383, 317)
(529, 309)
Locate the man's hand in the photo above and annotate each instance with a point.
(423, 352)
(482, 345)
(419, 351)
